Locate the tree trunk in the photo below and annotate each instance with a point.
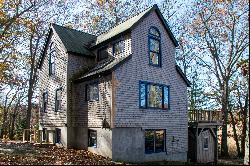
(244, 127)
(235, 134)
(4, 123)
(28, 115)
(224, 147)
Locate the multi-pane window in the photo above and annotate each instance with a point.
(102, 54)
(45, 101)
(58, 99)
(153, 95)
(154, 141)
(52, 54)
(92, 92)
(92, 140)
(58, 135)
(154, 40)
(119, 47)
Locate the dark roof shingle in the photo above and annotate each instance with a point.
(75, 41)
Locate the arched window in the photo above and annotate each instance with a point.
(52, 53)
(154, 44)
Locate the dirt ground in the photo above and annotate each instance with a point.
(17, 153)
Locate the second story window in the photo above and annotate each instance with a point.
(45, 101)
(154, 44)
(153, 95)
(102, 54)
(119, 47)
(58, 99)
(52, 53)
(92, 92)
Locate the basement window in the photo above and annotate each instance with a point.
(154, 141)
(44, 134)
(58, 135)
(92, 141)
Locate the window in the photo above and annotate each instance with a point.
(92, 92)
(58, 99)
(153, 95)
(92, 138)
(102, 54)
(118, 47)
(58, 135)
(154, 141)
(154, 44)
(205, 143)
(44, 134)
(52, 59)
(45, 101)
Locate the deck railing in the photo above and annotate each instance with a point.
(204, 116)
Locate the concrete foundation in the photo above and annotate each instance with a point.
(128, 144)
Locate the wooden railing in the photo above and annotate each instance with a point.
(204, 116)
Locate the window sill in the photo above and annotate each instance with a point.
(151, 108)
(150, 153)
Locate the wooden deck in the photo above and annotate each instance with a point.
(205, 117)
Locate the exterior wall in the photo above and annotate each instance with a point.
(51, 83)
(127, 76)
(128, 145)
(92, 113)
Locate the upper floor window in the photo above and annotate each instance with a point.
(58, 99)
(154, 95)
(45, 101)
(102, 54)
(154, 42)
(52, 53)
(92, 92)
(119, 47)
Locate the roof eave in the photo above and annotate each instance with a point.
(183, 76)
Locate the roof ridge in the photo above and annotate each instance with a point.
(128, 19)
(73, 29)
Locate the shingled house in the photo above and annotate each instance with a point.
(119, 94)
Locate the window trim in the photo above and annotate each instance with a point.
(146, 96)
(52, 65)
(164, 144)
(56, 107)
(86, 91)
(91, 130)
(113, 46)
(158, 38)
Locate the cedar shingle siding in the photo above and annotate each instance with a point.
(116, 117)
